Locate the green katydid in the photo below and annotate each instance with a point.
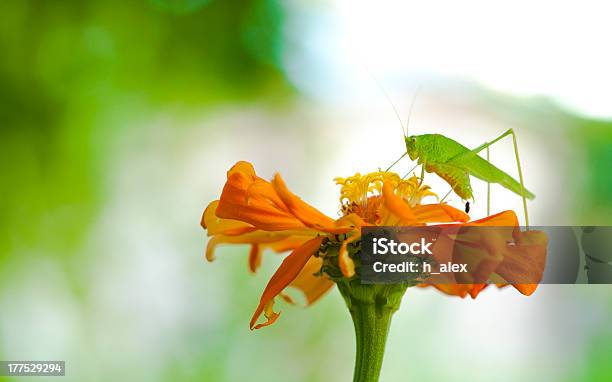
(454, 163)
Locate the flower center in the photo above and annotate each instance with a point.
(361, 194)
(368, 211)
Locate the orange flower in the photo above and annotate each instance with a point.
(266, 215)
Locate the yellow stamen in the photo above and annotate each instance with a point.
(358, 189)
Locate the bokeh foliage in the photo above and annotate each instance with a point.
(74, 74)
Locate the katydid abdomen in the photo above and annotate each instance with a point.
(456, 177)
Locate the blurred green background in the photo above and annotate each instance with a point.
(119, 119)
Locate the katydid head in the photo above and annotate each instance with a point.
(411, 147)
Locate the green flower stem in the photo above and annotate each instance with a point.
(371, 331)
(371, 307)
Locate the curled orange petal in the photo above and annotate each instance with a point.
(267, 206)
(284, 275)
(270, 314)
(211, 246)
(250, 199)
(254, 257)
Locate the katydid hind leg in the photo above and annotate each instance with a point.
(484, 170)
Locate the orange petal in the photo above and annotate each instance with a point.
(397, 206)
(313, 286)
(254, 257)
(267, 206)
(270, 314)
(439, 213)
(211, 246)
(288, 299)
(308, 215)
(215, 225)
(256, 237)
(253, 200)
(351, 221)
(476, 289)
(261, 189)
(286, 273)
(347, 265)
(526, 260)
(244, 168)
(526, 289)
